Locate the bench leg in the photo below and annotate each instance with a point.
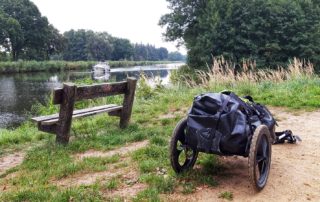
(128, 102)
(65, 114)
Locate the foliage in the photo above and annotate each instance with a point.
(176, 56)
(122, 49)
(88, 45)
(25, 33)
(270, 32)
(149, 52)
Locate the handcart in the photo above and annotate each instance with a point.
(224, 124)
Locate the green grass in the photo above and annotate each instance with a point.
(226, 195)
(112, 184)
(154, 116)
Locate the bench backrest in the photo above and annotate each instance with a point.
(92, 91)
(70, 93)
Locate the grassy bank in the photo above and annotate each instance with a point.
(155, 113)
(35, 66)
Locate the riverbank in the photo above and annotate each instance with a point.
(105, 163)
(20, 91)
(38, 66)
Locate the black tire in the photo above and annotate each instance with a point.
(182, 157)
(260, 157)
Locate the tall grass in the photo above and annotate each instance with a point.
(294, 86)
(223, 72)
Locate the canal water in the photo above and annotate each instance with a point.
(18, 92)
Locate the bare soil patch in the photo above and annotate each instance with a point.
(120, 151)
(129, 188)
(10, 161)
(295, 168)
(113, 171)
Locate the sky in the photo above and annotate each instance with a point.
(136, 20)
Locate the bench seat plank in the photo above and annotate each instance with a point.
(50, 119)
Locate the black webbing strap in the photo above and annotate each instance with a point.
(286, 135)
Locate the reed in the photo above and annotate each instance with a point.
(223, 72)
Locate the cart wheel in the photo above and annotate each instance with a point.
(260, 157)
(182, 157)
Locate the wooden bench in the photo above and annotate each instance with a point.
(60, 123)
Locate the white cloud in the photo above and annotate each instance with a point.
(135, 20)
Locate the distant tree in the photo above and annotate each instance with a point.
(140, 52)
(76, 45)
(123, 49)
(149, 52)
(162, 53)
(55, 42)
(268, 31)
(99, 45)
(27, 32)
(176, 56)
(87, 45)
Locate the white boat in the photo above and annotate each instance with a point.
(101, 67)
(101, 71)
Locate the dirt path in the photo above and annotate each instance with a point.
(295, 169)
(120, 151)
(10, 161)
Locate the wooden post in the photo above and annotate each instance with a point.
(128, 102)
(65, 114)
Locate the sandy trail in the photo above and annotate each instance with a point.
(295, 168)
(10, 161)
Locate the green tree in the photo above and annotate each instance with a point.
(27, 31)
(176, 56)
(11, 36)
(76, 45)
(268, 31)
(99, 45)
(123, 49)
(162, 53)
(87, 45)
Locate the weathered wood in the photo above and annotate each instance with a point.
(128, 102)
(100, 90)
(60, 123)
(48, 129)
(57, 96)
(84, 114)
(65, 114)
(93, 91)
(76, 112)
(115, 113)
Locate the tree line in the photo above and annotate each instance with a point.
(26, 34)
(88, 45)
(270, 32)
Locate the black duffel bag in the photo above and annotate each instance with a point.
(223, 123)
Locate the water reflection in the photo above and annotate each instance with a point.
(18, 92)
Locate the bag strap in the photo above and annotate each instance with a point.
(286, 135)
